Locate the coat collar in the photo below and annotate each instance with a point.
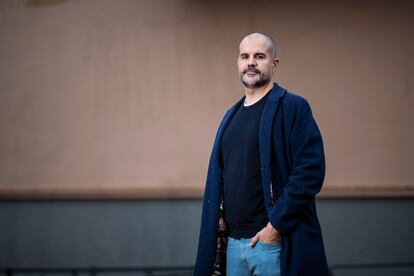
(264, 127)
(276, 92)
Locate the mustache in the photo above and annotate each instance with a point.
(251, 69)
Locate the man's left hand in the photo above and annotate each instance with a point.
(268, 234)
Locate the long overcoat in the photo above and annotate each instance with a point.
(293, 169)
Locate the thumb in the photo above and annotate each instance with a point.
(254, 240)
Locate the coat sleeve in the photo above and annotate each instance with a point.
(307, 169)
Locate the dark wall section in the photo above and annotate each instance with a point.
(98, 233)
(165, 232)
(368, 236)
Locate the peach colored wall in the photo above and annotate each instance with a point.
(107, 98)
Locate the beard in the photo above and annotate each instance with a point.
(254, 82)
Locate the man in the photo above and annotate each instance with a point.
(266, 166)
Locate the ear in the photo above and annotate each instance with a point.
(275, 64)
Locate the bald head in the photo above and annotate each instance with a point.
(262, 37)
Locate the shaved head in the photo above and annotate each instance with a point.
(271, 43)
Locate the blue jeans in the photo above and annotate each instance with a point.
(261, 260)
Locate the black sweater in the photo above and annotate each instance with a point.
(244, 207)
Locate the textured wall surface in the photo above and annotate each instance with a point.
(98, 97)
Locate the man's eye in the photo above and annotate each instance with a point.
(260, 56)
(243, 57)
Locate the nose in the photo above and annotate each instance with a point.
(252, 62)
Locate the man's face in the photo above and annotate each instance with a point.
(256, 66)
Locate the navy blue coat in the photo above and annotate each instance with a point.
(293, 168)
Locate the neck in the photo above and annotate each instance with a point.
(253, 95)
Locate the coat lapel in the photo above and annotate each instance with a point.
(215, 156)
(265, 138)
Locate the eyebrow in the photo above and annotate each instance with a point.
(257, 53)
